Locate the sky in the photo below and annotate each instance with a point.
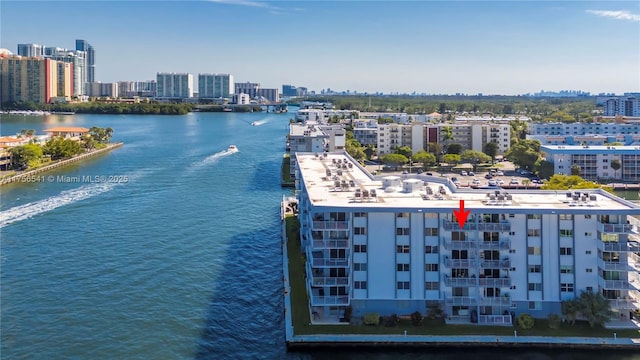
(436, 47)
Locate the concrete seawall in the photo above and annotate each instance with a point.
(26, 175)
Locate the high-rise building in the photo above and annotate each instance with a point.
(214, 86)
(30, 50)
(626, 105)
(248, 88)
(99, 89)
(35, 79)
(79, 61)
(83, 45)
(272, 95)
(174, 86)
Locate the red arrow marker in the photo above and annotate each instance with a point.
(461, 215)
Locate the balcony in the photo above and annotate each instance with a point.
(329, 281)
(460, 245)
(454, 226)
(460, 263)
(497, 320)
(496, 301)
(319, 300)
(331, 244)
(617, 228)
(616, 246)
(614, 265)
(330, 225)
(496, 264)
(460, 281)
(462, 301)
(318, 260)
(615, 284)
(495, 245)
(627, 303)
(495, 282)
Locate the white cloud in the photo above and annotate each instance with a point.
(244, 3)
(617, 14)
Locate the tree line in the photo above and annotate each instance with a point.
(103, 108)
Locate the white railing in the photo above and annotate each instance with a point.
(616, 228)
(462, 301)
(460, 281)
(496, 264)
(460, 245)
(331, 244)
(623, 303)
(615, 246)
(460, 263)
(453, 225)
(494, 319)
(317, 300)
(503, 300)
(329, 281)
(497, 282)
(330, 225)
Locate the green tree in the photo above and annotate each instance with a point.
(454, 148)
(394, 160)
(447, 135)
(491, 149)
(101, 135)
(425, 158)
(435, 149)
(575, 169)
(566, 182)
(369, 151)
(594, 307)
(453, 159)
(570, 310)
(544, 169)
(24, 156)
(404, 150)
(474, 157)
(60, 148)
(524, 153)
(355, 150)
(616, 165)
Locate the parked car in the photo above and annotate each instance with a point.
(514, 181)
(430, 174)
(463, 173)
(488, 176)
(471, 173)
(492, 183)
(500, 182)
(476, 182)
(499, 173)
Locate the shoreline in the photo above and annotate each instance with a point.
(26, 175)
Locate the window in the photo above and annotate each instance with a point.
(588, 252)
(402, 215)
(512, 233)
(533, 250)
(566, 217)
(360, 285)
(403, 249)
(587, 216)
(512, 215)
(589, 288)
(359, 231)
(432, 285)
(535, 287)
(566, 269)
(431, 249)
(360, 214)
(430, 231)
(359, 266)
(533, 216)
(360, 248)
(566, 251)
(566, 287)
(402, 231)
(533, 232)
(402, 267)
(430, 215)
(404, 285)
(535, 305)
(458, 236)
(588, 234)
(566, 233)
(535, 268)
(431, 267)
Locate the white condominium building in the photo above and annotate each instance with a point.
(595, 161)
(174, 86)
(391, 245)
(214, 86)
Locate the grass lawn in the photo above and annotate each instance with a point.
(301, 321)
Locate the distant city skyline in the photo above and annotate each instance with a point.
(434, 47)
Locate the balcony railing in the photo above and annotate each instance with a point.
(504, 244)
(496, 301)
(329, 281)
(495, 282)
(460, 281)
(452, 225)
(615, 246)
(317, 300)
(614, 265)
(460, 245)
(331, 244)
(496, 264)
(623, 303)
(330, 225)
(494, 319)
(616, 228)
(318, 260)
(615, 284)
(462, 301)
(460, 263)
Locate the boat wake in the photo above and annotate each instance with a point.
(260, 122)
(212, 159)
(66, 197)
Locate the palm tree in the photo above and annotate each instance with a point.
(594, 307)
(447, 136)
(526, 183)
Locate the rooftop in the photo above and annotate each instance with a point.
(335, 180)
(591, 149)
(70, 129)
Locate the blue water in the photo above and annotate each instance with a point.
(182, 261)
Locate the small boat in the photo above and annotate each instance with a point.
(254, 123)
(232, 148)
